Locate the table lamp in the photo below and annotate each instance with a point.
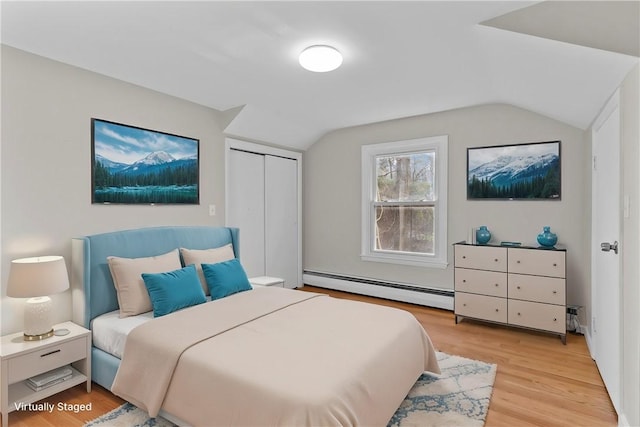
(36, 278)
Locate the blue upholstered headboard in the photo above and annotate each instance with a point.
(93, 291)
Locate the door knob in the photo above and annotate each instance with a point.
(606, 246)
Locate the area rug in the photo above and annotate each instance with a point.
(459, 396)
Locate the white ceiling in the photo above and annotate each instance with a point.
(400, 58)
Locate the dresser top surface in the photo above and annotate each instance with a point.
(511, 246)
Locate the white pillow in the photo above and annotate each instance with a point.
(133, 297)
(206, 256)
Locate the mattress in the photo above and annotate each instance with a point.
(110, 331)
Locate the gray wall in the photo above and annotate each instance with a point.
(332, 193)
(47, 108)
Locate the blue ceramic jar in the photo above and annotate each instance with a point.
(547, 238)
(483, 235)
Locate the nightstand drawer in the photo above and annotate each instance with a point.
(45, 359)
(491, 283)
(538, 316)
(481, 307)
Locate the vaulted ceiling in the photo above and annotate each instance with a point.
(559, 59)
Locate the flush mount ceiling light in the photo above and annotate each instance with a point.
(320, 58)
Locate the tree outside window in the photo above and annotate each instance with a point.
(404, 202)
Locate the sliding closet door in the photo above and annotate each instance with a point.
(281, 219)
(246, 207)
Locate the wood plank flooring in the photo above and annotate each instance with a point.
(540, 381)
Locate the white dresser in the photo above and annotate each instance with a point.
(519, 286)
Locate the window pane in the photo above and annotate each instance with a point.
(405, 229)
(405, 177)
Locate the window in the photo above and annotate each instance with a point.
(404, 202)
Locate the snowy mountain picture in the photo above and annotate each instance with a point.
(135, 165)
(525, 171)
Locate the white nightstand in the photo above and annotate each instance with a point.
(266, 281)
(24, 359)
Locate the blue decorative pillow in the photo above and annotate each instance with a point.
(173, 290)
(225, 278)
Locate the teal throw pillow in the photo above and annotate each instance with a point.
(173, 290)
(225, 278)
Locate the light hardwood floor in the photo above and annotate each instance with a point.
(540, 381)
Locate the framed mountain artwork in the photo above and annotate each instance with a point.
(514, 172)
(132, 165)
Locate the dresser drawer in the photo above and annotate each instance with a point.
(538, 316)
(481, 307)
(537, 261)
(45, 359)
(492, 283)
(537, 288)
(481, 257)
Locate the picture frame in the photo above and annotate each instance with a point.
(134, 165)
(529, 171)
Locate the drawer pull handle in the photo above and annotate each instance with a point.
(497, 285)
(50, 353)
(555, 319)
(464, 305)
(518, 287)
(464, 280)
(518, 261)
(464, 257)
(496, 259)
(497, 310)
(555, 265)
(518, 314)
(555, 292)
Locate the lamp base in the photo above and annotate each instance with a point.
(39, 336)
(37, 319)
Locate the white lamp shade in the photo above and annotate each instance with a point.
(37, 276)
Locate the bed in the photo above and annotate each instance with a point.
(267, 356)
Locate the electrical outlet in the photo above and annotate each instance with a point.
(212, 210)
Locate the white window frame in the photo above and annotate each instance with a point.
(369, 185)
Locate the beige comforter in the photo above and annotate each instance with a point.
(274, 356)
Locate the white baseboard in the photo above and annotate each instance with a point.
(588, 339)
(622, 421)
(393, 293)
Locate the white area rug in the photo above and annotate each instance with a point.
(458, 397)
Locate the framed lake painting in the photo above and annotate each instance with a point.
(132, 165)
(514, 172)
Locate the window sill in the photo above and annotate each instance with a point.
(414, 261)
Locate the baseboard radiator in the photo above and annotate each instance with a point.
(430, 297)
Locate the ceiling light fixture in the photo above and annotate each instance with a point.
(320, 58)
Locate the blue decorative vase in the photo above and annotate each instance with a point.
(547, 238)
(483, 235)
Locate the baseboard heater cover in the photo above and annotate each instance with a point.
(430, 297)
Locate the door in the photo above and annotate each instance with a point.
(263, 200)
(245, 207)
(606, 262)
(281, 219)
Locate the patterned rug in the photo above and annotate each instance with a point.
(457, 397)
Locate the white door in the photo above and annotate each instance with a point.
(281, 219)
(263, 200)
(605, 273)
(245, 207)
